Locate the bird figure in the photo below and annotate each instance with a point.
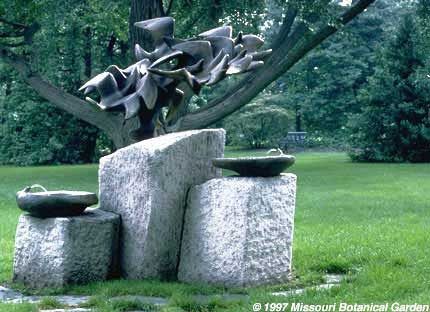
(174, 69)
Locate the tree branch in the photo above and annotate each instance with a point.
(288, 54)
(10, 35)
(287, 44)
(17, 25)
(14, 45)
(285, 30)
(58, 97)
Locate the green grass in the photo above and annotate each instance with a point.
(49, 303)
(369, 221)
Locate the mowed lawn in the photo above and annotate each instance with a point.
(368, 221)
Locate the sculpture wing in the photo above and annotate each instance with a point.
(107, 87)
(221, 43)
(224, 31)
(147, 89)
(252, 42)
(158, 28)
(166, 58)
(199, 49)
(239, 66)
(219, 72)
(132, 105)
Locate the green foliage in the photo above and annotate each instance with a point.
(70, 47)
(73, 44)
(33, 132)
(423, 11)
(50, 303)
(130, 305)
(196, 16)
(323, 87)
(395, 123)
(259, 124)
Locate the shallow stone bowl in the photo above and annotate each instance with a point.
(268, 166)
(55, 203)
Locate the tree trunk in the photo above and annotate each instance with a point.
(87, 53)
(291, 46)
(298, 119)
(109, 50)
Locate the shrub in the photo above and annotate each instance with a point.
(258, 125)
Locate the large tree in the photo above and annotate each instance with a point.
(394, 125)
(304, 26)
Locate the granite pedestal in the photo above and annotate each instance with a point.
(55, 252)
(238, 231)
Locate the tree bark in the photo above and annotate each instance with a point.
(87, 53)
(109, 50)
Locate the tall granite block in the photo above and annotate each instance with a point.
(239, 231)
(61, 251)
(147, 183)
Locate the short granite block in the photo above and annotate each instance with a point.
(55, 252)
(238, 231)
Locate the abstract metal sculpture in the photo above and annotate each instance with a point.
(263, 166)
(176, 68)
(54, 204)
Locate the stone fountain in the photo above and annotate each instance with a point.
(165, 210)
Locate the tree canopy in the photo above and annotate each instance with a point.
(67, 43)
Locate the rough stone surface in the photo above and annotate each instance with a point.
(8, 294)
(239, 231)
(11, 296)
(61, 251)
(147, 183)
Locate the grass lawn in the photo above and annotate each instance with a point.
(369, 221)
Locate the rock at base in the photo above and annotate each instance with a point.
(147, 183)
(238, 231)
(55, 252)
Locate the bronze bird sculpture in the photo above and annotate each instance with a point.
(176, 67)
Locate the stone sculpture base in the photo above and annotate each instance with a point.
(239, 231)
(54, 252)
(147, 184)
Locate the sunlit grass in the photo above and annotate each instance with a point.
(368, 221)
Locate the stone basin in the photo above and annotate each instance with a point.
(266, 166)
(49, 204)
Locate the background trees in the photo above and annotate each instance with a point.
(395, 121)
(259, 124)
(65, 44)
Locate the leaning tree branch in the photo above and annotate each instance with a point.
(111, 124)
(288, 43)
(288, 54)
(10, 35)
(14, 24)
(14, 45)
(56, 96)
